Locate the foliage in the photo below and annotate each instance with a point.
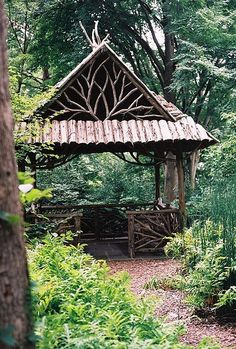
(205, 57)
(207, 278)
(217, 203)
(23, 103)
(31, 195)
(195, 67)
(208, 263)
(100, 178)
(227, 297)
(166, 283)
(218, 162)
(208, 248)
(79, 305)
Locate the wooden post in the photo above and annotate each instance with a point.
(21, 166)
(157, 180)
(180, 170)
(170, 182)
(157, 168)
(32, 157)
(131, 235)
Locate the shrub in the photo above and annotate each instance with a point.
(209, 268)
(79, 305)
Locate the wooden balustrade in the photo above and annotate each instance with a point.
(148, 230)
(96, 222)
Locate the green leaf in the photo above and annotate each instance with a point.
(36, 194)
(6, 336)
(9, 218)
(25, 178)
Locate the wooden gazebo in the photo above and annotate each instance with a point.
(102, 106)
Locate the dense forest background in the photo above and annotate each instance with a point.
(183, 50)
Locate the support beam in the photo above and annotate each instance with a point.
(21, 165)
(32, 158)
(157, 181)
(181, 186)
(170, 183)
(157, 172)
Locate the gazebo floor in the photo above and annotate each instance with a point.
(115, 250)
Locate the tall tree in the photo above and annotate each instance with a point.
(20, 35)
(14, 282)
(182, 49)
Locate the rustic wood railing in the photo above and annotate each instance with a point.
(97, 221)
(147, 230)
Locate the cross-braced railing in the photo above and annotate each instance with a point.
(148, 230)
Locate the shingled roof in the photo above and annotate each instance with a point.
(103, 106)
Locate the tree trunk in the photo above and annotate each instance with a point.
(14, 282)
(169, 67)
(194, 160)
(181, 184)
(171, 178)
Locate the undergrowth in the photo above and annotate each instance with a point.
(78, 304)
(209, 272)
(166, 283)
(208, 248)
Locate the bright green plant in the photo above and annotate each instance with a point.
(209, 269)
(79, 305)
(227, 297)
(185, 247)
(29, 194)
(207, 278)
(152, 284)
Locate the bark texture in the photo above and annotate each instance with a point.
(171, 178)
(14, 282)
(194, 160)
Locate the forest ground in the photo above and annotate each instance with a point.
(170, 303)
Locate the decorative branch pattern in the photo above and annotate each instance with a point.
(148, 230)
(103, 92)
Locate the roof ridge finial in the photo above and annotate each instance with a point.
(96, 40)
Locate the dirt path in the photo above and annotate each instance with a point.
(171, 303)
